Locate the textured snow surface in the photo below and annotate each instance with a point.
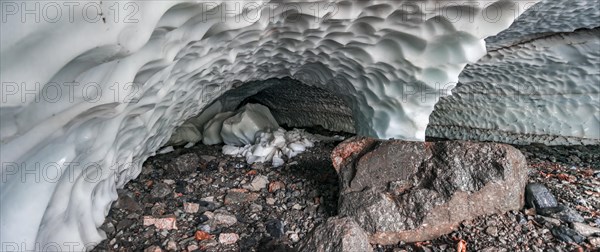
(548, 17)
(107, 94)
(546, 90)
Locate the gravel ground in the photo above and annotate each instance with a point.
(264, 217)
(226, 205)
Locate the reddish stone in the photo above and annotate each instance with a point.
(167, 222)
(353, 146)
(276, 185)
(201, 235)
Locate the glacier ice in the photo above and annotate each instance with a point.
(87, 101)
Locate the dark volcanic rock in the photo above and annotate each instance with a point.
(160, 190)
(336, 235)
(414, 191)
(540, 198)
(185, 163)
(127, 203)
(568, 215)
(566, 234)
(275, 228)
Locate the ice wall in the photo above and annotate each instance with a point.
(88, 95)
(539, 83)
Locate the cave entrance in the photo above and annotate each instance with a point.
(294, 104)
(219, 202)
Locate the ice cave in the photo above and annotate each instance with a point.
(415, 100)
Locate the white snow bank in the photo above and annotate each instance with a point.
(241, 129)
(272, 146)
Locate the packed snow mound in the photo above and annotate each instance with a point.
(241, 128)
(212, 129)
(272, 146)
(184, 134)
(93, 96)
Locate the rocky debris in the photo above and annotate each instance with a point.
(228, 238)
(191, 207)
(186, 163)
(208, 158)
(171, 245)
(127, 203)
(224, 219)
(576, 155)
(492, 230)
(585, 230)
(259, 182)
(275, 228)
(153, 248)
(202, 235)
(543, 220)
(160, 190)
(567, 235)
(276, 185)
(192, 247)
(595, 242)
(411, 191)
(309, 183)
(166, 222)
(539, 197)
(294, 237)
(337, 234)
(237, 196)
(567, 214)
(158, 209)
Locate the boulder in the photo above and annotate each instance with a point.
(241, 129)
(415, 191)
(336, 235)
